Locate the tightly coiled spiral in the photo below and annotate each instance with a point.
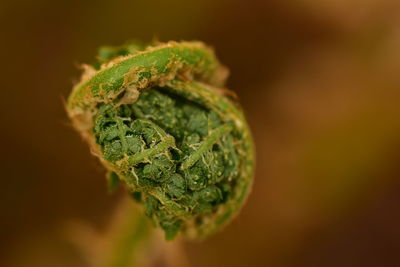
(160, 120)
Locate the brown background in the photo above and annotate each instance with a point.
(319, 81)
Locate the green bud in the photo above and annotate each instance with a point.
(160, 120)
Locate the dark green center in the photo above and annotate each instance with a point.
(176, 155)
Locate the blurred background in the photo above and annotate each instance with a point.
(319, 81)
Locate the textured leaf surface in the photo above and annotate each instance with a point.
(158, 119)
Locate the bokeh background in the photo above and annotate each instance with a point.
(319, 81)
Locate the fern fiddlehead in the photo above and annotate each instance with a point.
(160, 121)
